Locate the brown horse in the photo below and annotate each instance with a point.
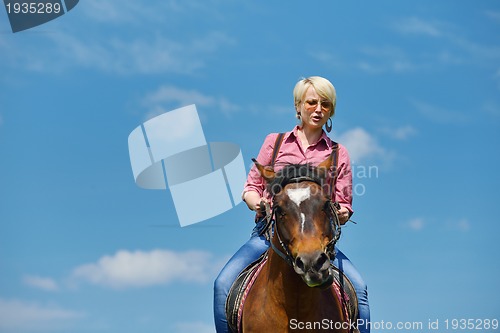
(293, 291)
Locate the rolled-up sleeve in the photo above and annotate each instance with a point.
(343, 185)
(255, 182)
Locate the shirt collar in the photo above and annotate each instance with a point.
(323, 137)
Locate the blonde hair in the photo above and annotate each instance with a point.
(323, 87)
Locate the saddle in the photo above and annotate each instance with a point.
(239, 291)
(346, 293)
(341, 286)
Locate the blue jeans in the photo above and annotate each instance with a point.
(250, 252)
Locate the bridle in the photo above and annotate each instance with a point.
(271, 226)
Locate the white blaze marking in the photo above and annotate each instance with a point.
(298, 195)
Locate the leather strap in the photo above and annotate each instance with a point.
(276, 149)
(335, 161)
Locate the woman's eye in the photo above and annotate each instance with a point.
(326, 104)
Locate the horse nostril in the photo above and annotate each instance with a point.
(299, 264)
(313, 262)
(321, 262)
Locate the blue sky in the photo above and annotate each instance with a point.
(83, 249)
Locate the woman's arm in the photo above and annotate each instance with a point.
(343, 185)
(253, 201)
(343, 215)
(253, 193)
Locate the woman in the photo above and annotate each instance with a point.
(315, 100)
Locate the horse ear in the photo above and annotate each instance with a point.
(324, 166)
(265, 171)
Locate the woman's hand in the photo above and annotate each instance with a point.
(253, 201)
(343, 214)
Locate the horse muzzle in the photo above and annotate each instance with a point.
(314, 268)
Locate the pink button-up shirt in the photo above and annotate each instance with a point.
(291, 152)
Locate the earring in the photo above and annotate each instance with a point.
(299, 120)
(328, 125)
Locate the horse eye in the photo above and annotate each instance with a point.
(280, 212)
(327, 208)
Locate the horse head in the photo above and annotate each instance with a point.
(306, 226)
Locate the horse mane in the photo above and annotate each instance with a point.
(294, 171)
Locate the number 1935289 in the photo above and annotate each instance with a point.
(33, 8)
(471, 324)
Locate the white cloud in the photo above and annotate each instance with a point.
(18, 315)
(116, 12)
(400, 133)
(197, 327)
(149, 55)
(494, 15)
(478, 53)
(127, 269)
(415, 25)
(328, 58)
(42, 283)
(464, 50)
(462, 225)
(370, 67)
(387, 65)
(385, 59)
(166, 94)
(136, 12)
(497, 76)
(454, 49)
(133, 54)
(361, 145)
(492, 108)
(371, 60)
(450, 58)
(176, 97)
(439, 114)
(416, 224)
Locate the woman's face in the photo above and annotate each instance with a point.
(314, 111)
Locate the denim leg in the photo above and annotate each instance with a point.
(248, 253)
(345, 265)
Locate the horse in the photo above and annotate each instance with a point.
(293, 291)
